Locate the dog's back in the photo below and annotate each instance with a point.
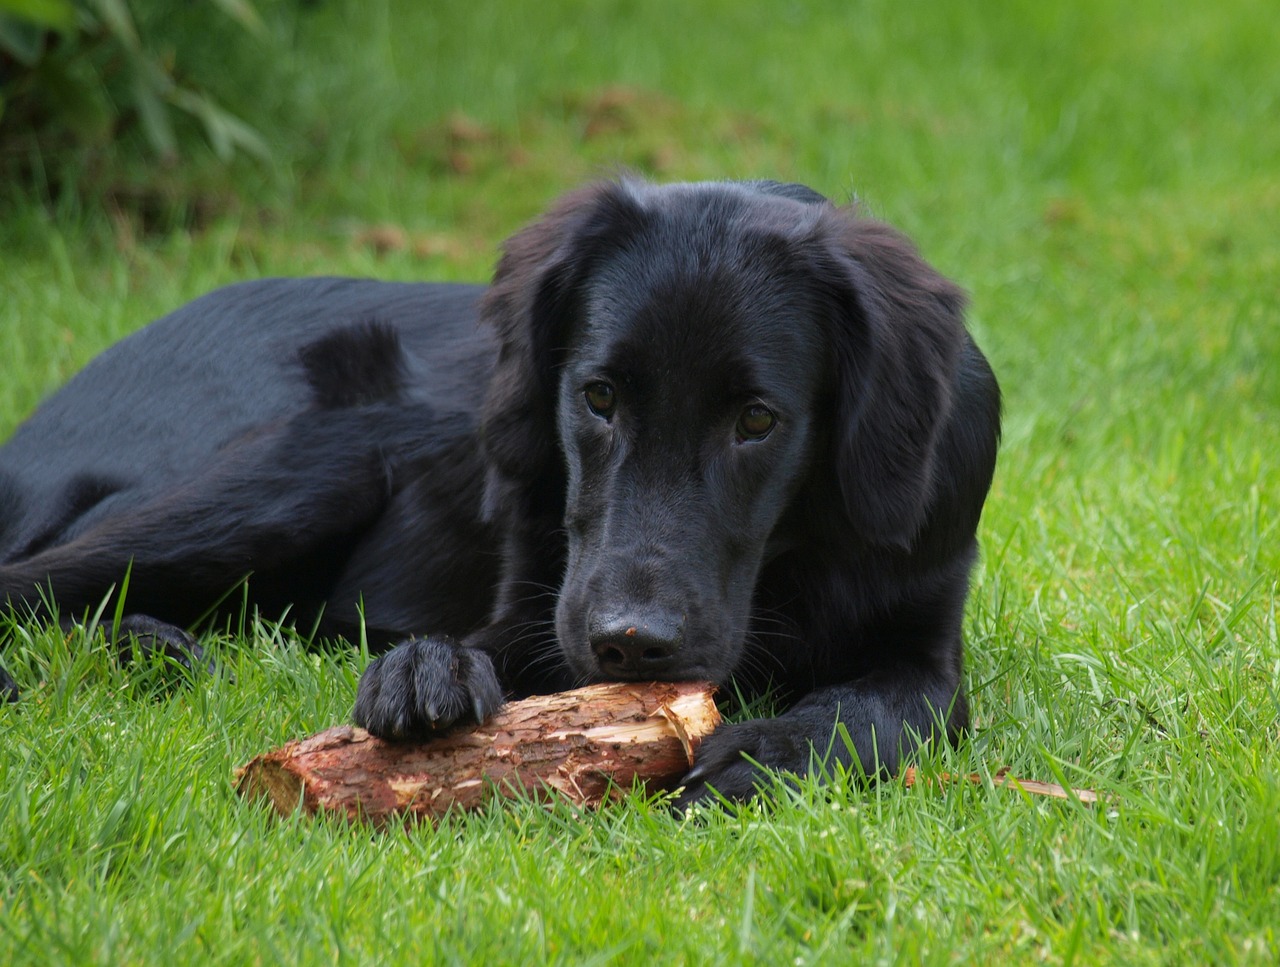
(157, 406)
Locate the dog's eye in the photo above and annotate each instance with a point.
(755, 423)
(601, 399)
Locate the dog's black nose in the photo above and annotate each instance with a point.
(636, 644)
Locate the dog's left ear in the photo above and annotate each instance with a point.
(533, 305)
(899, 335)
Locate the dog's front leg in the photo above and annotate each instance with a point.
(870, 725)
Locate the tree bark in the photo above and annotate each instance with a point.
(585, 745)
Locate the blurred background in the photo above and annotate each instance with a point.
(450, 122)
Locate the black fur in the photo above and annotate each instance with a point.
(703, 431)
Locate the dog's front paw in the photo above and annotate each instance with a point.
(425, 685)
(736, 760)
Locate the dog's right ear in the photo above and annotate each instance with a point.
(898, 336)
(533, 305)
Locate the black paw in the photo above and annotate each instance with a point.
(139, 636)
(736, 761)
(8, 687)
(425, 685)
(136, 637)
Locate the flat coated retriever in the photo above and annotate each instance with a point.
(700, 431)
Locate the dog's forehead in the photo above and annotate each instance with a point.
(710, 285)
(730, 323)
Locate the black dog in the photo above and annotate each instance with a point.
(702, 431)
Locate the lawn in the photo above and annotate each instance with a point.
(1104, 179)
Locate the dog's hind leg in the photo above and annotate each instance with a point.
(284, 504)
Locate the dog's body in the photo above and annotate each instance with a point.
(312, 433)
(695, 431)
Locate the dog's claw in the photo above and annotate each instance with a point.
(694, 775)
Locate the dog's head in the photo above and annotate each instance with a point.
(681, 368)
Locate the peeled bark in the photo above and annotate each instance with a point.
(584, 745)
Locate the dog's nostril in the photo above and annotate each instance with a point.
(628, 645)
(610, 655)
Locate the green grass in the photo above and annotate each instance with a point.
(1103, 178)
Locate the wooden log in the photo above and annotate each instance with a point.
(584, 745)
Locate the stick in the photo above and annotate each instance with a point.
(585, 745)
(1002, 778)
